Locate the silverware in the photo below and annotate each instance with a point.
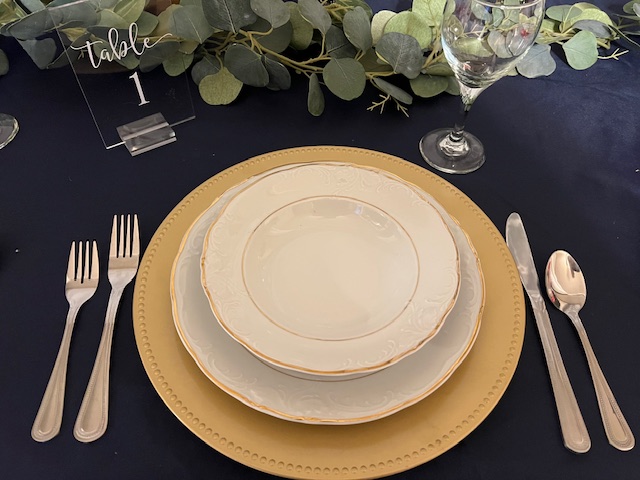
(81, 283)
(574, 430)
(567, 290)
(124, 253)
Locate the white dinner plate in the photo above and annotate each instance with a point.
(257, 384)
(330, 269)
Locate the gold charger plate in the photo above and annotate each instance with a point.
(369, 450)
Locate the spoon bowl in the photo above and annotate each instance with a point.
(567, 290)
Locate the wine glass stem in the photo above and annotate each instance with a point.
(455, 144)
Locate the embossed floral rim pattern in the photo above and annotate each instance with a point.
(372, 450)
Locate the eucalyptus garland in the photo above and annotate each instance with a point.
(340, 46)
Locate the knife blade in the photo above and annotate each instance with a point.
(574, 431)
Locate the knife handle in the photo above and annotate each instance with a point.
(574, 430)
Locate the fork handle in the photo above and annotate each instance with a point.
(94, 410)
(49, 417)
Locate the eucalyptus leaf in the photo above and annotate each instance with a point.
(440, 69)
(229, 15)
(188, 46)
(315, 97)
(600, 30)
(345, 78)
(177, 64)
(372, 63)
(32, 26)
(453, 87)
(537, 62)
(152, 57)
(631, 7)
(246, 65)
(221, 88)
(338, 45)
(147, 22)
(62, 60)
(315, 14)
(277, 40)
(109, 19)
(273, 11)
(100, 4)
(379, 22)
(279, 76)
(130, 10)
(590, 14)
(559, 12)
(402, 52)
(430, 10)
(208, 65)
(582, 50)
(357, 28)
(550, 25)
(4, 63)
(302, 30)
(188, 23)
(186, 3)
(42, 52)
(165, 20)
(410, 23)
(352, 4)
(32, 5)
(427, 86)
(130, 61)
(396, 92)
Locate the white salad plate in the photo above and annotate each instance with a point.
(290, 396)
(330, 269)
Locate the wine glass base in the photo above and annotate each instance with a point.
(8, 129)
(467, 162)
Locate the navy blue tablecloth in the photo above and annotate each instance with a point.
(563, 151)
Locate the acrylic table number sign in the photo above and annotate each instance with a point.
(133, 99)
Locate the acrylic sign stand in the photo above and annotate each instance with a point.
(129, 107)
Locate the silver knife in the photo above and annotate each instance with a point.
(574, 430)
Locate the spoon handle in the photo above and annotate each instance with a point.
(615, 425)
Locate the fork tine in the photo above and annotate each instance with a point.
(83, 271)
(114, 238)
(121, 238)
(136, 237)
(71, 265)
(127, 238)
(95, 266)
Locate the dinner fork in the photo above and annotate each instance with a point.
(124, 253)
(81, 284)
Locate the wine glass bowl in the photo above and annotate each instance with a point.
(482, 41)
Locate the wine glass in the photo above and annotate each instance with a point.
(482, 40)
(8, 129)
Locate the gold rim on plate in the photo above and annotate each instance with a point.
(295, 450)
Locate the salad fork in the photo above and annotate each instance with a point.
(81, 284)
(124, 253)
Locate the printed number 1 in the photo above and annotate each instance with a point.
(136, 79)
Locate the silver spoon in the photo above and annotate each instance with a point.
(568, 292)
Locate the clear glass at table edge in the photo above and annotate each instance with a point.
(482, 40)
(8, 129)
